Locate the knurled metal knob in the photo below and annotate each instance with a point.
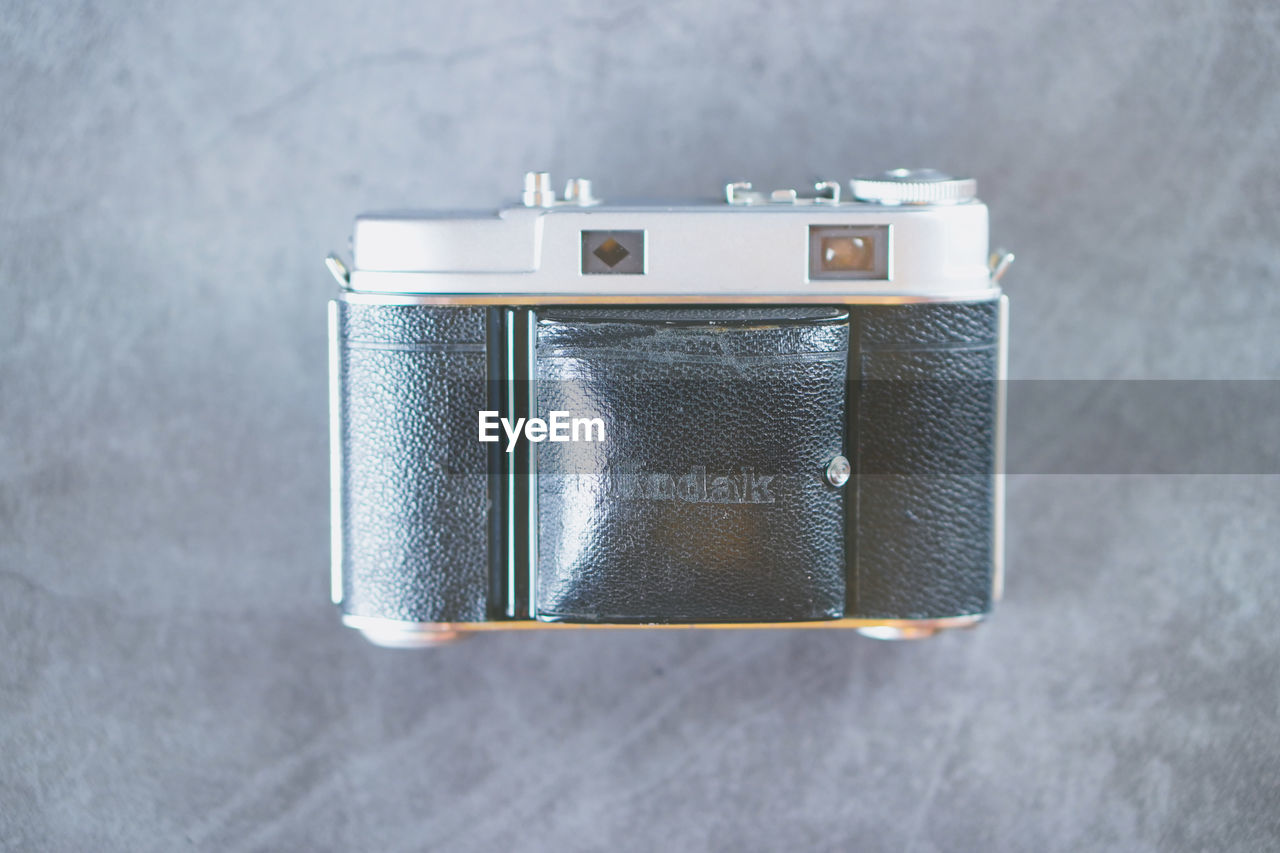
(914, 186)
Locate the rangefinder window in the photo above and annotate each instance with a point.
(613, 253)
(845, 253)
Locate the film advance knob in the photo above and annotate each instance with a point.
(914, 186)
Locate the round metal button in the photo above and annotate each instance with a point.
(838, 471)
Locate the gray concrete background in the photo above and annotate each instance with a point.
(172, 674)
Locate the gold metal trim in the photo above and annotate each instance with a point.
(367, 298)
(375, 623)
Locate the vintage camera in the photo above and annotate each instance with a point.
(772, 410)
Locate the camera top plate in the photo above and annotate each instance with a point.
(907, 236)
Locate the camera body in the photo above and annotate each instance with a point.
(771, 410)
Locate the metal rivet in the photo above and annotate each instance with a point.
(838, 471)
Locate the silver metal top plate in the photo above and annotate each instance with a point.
(755, 248)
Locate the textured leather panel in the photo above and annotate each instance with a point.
(928, 324)
(415, 489)
(660, 523)
(924, 424)
(707, 501)
(412, 324)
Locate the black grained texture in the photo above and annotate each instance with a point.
(921, 542)
(947, 324)
(413, 325)
(690, 396)
(415, 491)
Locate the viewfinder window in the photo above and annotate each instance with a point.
(849, 252)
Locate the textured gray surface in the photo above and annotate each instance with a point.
(172, 674)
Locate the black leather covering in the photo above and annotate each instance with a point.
(707, 500)
(923, 419)
(415, 499)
